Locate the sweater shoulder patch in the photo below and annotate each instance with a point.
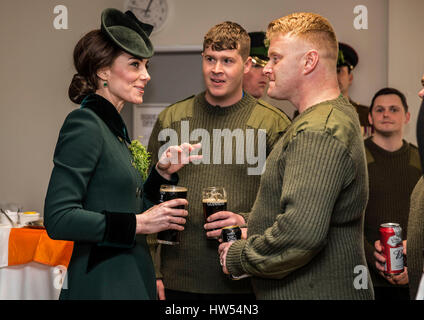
(369, 156)
(327, 118)
(266, 116)
(342, 126)
(176, 112)
(414, 159)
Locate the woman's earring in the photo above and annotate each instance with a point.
(105, 84)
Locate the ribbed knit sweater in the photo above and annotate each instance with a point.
(392, 177)
(415, 243)
(305, 231)
(193, 265)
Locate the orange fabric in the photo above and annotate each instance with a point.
(22, 245)
(26, 245)
(53, 252)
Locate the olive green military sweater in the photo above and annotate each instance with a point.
(415, 243)
(392, 177)
(305, 231)
(193, 265)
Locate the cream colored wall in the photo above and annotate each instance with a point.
(188, 23)
(406, 54)
(36, 67)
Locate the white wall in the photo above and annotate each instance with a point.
(191, 19)
(406, 55)
(36, 66)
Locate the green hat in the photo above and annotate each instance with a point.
(127, 32)
(347, 56)
(258, 50)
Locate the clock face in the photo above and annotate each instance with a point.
(154, 12)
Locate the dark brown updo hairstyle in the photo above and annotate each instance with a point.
(92, 52)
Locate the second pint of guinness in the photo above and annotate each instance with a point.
(214, 199)
(170, 192)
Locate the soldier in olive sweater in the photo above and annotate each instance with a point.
(415, 250)
(415, 243)
(237, 132)
(305, 231)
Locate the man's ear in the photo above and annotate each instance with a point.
(370, 118)
(408, 117)
(311, 59)
(350, 77)
(248, 65)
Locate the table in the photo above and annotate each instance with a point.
(32, 266)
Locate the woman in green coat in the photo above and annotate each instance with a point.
(96, 196)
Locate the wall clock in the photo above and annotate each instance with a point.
(154, 12)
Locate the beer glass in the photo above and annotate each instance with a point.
(214, 199)
(170, 192)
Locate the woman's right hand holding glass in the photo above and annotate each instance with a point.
(162, 217)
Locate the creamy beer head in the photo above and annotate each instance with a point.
(214, 202)
(170, 192)
(171, 188)
(214, 199)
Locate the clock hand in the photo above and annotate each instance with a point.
(148, 8)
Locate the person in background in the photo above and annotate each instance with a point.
(394, 169)
(305, 230)
(95, 195)
(190, 270)
(346, 62)
(414, 245)
(255, 81)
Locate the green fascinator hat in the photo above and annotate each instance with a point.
(127, 32)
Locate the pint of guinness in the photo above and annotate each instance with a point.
(170, 192)
(211, 206)
(214, 199)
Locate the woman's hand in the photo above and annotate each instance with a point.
(162, 217)
(176, 157)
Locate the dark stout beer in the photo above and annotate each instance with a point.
(214, 199)
(170, 192)
(211, 206)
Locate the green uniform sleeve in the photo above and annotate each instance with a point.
(315, 167)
